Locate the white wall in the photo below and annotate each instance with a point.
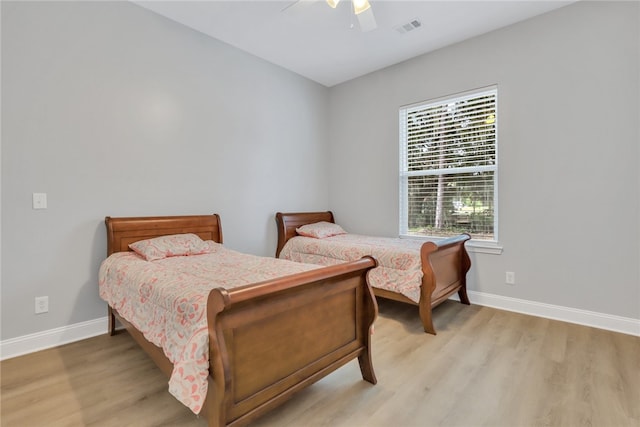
(569, 182)
(113, 110)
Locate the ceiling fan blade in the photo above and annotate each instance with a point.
(367, 21)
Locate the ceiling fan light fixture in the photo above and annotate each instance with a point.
(360, 6)
(362, 9)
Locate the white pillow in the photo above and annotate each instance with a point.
(320, 230)
(171, 245)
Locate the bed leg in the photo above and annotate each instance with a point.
(427, 322)
(112, 322)
(462, 293)
(366, 367)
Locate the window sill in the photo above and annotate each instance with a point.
(475, 246)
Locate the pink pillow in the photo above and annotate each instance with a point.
(171, 245)
(320, 230)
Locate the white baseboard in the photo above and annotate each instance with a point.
(609, 322)
(31, 343)
(54, 337)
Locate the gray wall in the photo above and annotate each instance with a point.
(569, 187)
(113, 110)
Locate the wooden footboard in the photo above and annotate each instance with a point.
(444, 265)
(270, 339)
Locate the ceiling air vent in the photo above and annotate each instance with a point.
(409, 26)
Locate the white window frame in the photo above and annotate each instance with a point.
(484, 245)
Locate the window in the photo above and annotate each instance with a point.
(448, 166)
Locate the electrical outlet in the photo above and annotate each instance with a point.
(510, 278)
(39, 200)
(42, 305)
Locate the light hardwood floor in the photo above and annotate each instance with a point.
(485, 367)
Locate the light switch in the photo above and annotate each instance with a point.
(39, 200)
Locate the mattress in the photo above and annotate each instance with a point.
(399, 267)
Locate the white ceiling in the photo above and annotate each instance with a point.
(326, 45)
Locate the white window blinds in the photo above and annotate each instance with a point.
(448, 166)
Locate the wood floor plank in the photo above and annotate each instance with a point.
(485, 367)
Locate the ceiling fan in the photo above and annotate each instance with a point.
(361, 9)
(363, 12)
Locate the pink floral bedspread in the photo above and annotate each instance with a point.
(399, 267)
(166, 301)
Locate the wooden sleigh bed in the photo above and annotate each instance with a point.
(444, 265)
(267, 340)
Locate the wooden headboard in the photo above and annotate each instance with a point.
(123, 231)
(288, 222)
